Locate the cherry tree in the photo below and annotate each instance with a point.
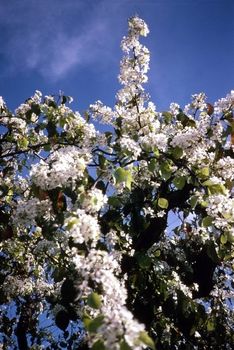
(120, 239)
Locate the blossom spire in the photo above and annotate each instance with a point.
(135, 63)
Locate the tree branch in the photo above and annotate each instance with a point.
(21, 330)
(158, 225)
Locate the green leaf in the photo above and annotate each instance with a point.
(203, 173)
(152, 165)
(156, 152)
(204, 204)
(193, 201)
(223, 238)
(143, 260)
(23, 142)
(114, 202)
(123, 175)
(147, 340)
(124, 346)
(163, 203)
(185, 120)
(167, 117)
(214, 188)
(98, 345)
(210, 325)
(157, 253)
(93, 325)
(227, 215)
(72, 222)
(86, 320)
(102, 161)
(47, 148)
(62, 122)
(230, 237)
(120, 175)
(177, 152)
(208, 183)
(179, 182)
(9, 195)
(217, 189)
(165, 170)
(207, 221)
(94, 300)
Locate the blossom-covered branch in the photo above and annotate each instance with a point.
(123, 239)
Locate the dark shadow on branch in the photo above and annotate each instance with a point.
(157, 226)
(21, 329)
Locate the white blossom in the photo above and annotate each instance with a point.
(61, 168)
(198, 103)
(174, 108)
(118, 322)
(128, 145)
(154, 140)
(225, 168)
(103, 113)
(221, 208)
(26, 212)
(224, 104)
(82, 227)
(2, 102)
(93, 200)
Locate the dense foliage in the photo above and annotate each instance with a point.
(120, 239)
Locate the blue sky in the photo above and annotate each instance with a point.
(73, 46)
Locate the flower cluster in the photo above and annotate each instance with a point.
(221, 208)
(25, 107)
(82, 227)
(225, 168)
(118, 322)
(147, 256)
(14, 286)
(62, 167)
(225, 104)
(198, 103)
(187, 138)
(129, 146)
(135, 64)
(76, 127)
(102, 113)
(2, 103)
(26, 212)
(93, 200)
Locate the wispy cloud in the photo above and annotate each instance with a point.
(53, 37)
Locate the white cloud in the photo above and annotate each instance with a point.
(53, 37)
